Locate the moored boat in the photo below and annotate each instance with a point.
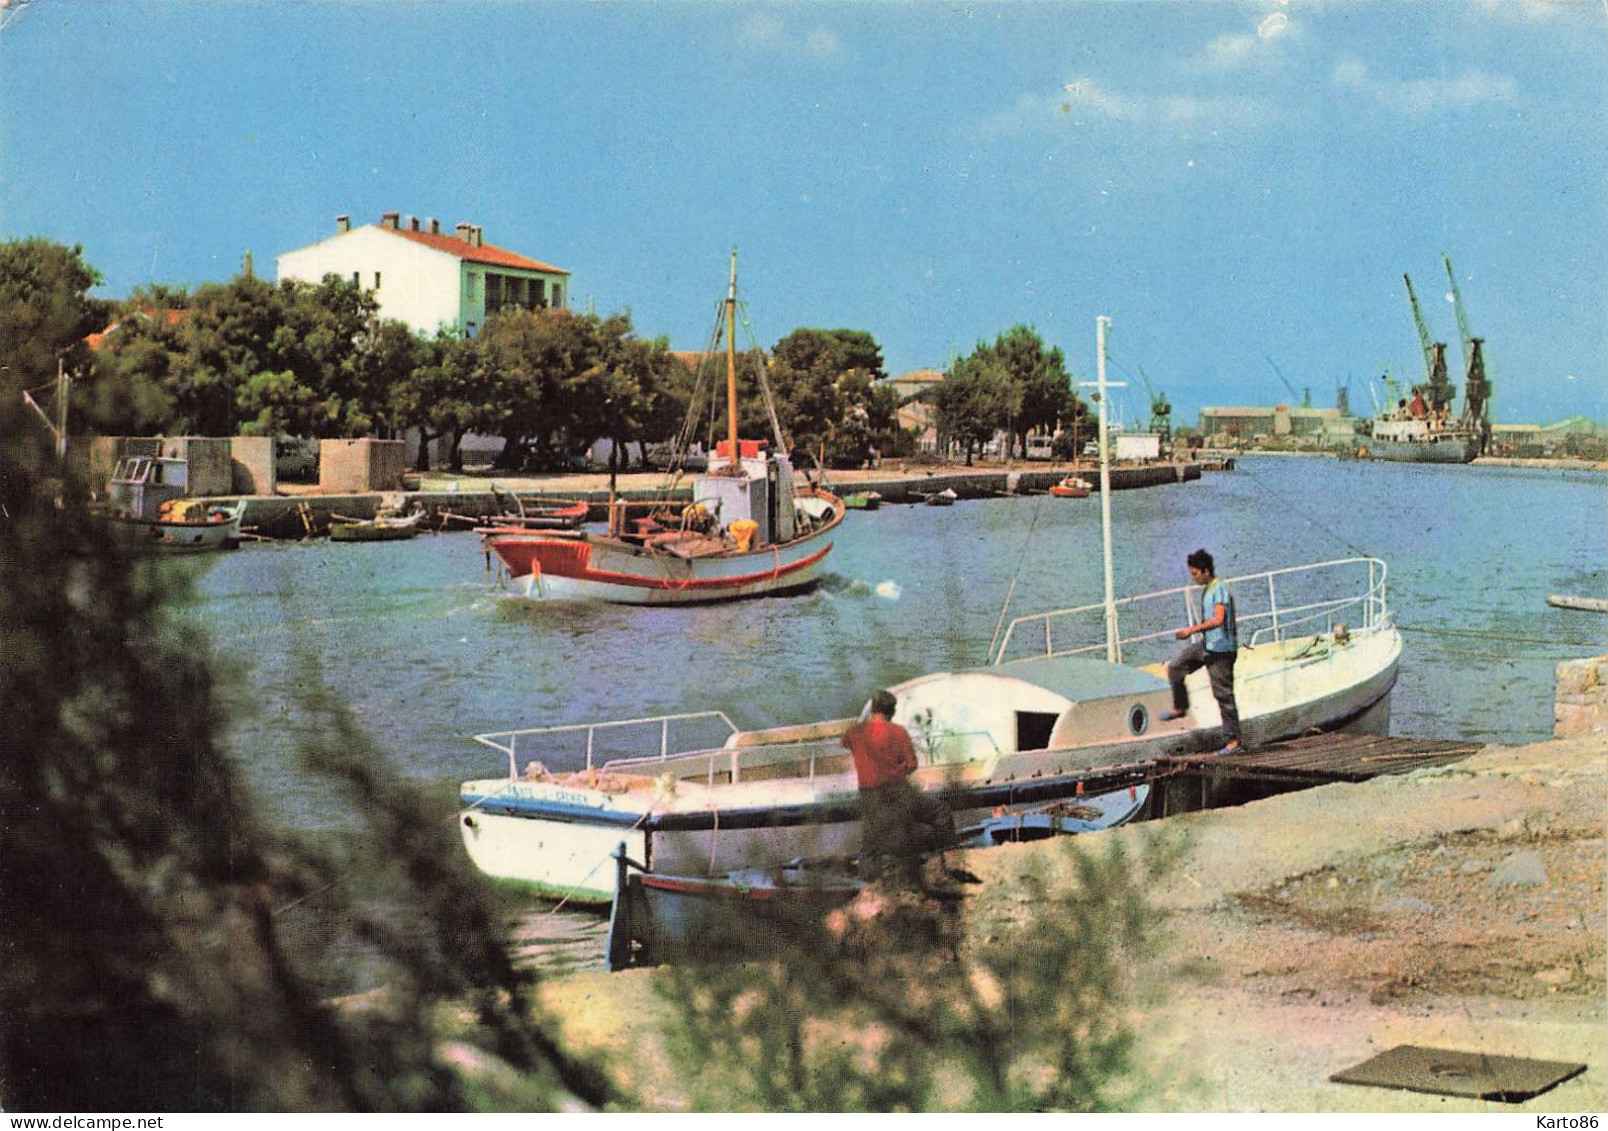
(1025, 730)
(746, 914)
(863, 501)
(149, 511)
(749, 531)
(1072, 487)
(944, 498)
(384, 528)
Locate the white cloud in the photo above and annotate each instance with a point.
(1242, 49)
(1532, 11)
(1084, 101)
(763, 32)
(1426, 95)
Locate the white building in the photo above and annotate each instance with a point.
(427, 278)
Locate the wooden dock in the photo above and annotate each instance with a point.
(1321, 758)
(1184, 783)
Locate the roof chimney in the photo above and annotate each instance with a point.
(343, 223)
(464, 231)
(413, 223)
(390, 220)
(475, 238)
(435, 226)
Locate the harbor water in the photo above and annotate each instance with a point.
(427, 649)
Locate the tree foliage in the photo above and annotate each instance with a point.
(900, 1006)
(165, 946)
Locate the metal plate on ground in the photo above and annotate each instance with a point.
(1476, 1075)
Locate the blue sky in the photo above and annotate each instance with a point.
(1229, 182)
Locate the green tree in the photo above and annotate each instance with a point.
(823, 381)
(444, 396)
(973, 402)
(165, 947)
(1039, 386)
(531, 358)
(45, 309)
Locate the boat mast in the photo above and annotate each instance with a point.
(1101, 387)
(731, 367)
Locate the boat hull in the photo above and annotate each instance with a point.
(371, 532)
(557, 838)
(1457, 448)
(153, 536)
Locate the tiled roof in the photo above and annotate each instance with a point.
(485, 253)
(171, 317)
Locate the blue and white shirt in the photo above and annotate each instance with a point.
(1225, 637)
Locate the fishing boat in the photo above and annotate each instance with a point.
(382, 528)
(148, 511)
(749, 530)
(1072, 487)
(1064, 693)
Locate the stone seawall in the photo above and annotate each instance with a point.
(297, 516)
(1580, 707)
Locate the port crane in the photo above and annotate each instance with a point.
(1477, 387)
(1305, 396)
(1438, 390)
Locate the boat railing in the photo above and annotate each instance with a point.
(1270, 606)
(598, 736)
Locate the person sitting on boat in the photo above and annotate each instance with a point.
(899, 821)
(1215, 651)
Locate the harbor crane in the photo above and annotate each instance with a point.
(1305, 396)
(1439, 391)
(1160, 409)
(1477, 386)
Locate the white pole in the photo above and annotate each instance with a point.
(1103, 389)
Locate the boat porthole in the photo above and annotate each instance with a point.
(1138, 719)
(468, 822)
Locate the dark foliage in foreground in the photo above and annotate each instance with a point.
(161, 946)
(901, 1004)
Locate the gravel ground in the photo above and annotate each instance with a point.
(1460, 907)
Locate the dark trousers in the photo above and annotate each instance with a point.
(900, 823)
(1220, 668)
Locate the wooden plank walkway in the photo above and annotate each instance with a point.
(1319, 758)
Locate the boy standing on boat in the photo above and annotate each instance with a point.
(899, 821)
(1215, 651)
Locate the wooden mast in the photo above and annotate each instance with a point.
(735, 467)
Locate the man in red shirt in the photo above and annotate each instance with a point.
(899, 821)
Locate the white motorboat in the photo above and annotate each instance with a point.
(1025, 730)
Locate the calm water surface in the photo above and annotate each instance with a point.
(427, 651)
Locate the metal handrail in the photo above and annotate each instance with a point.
(1372, 601)
(507, 741)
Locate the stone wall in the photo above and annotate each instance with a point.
(1581, 704)
(355, 466)
(251, 461)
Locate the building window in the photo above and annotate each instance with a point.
(376, 280)
(558, 294)
(356, 282)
